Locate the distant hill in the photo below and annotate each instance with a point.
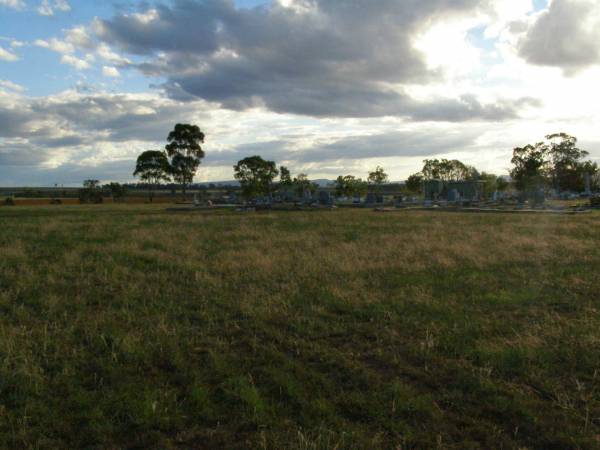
(323, 182)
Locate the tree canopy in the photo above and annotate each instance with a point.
(255, 175)
(185, 139)
(303, 185)
(414, 183)
(447, 170)
(285, 177)
(349, 185)
(185, 152)
(556, 162)
(377, 178)
(153, 167)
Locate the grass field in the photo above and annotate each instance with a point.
(128, 327)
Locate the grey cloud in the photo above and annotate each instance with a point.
(566, 36)
(383, 145)
(65, 141)
(20, 154)
(70, 174)
(320, 99)
(391, 144)
(101, 116)
(33, 130)
(336, 59)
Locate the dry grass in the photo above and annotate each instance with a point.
(128, 327)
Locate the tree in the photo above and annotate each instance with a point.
(343, 185)
(531, 166)
(590, 169)
(490, 183)
(255, 176)
(414, 183)
(117, 191)
(349, 185)
(152, 167)
(183, 168)
(447, 170)
(185, 152)
(91, 184)
(285, 177)
(501, 184)
(302, 185)
(377, 178)
(90, 192)
(557, 161)
(567, 167)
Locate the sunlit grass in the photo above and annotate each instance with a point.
(128, 327)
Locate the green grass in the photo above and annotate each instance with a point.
(129, 327)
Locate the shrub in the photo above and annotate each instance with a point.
(90, 195)
(9, 201)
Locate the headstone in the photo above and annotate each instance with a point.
(588, 184)
(453, 195)
(371, 199)
(399, 201)
(325, 198)
(539, 197)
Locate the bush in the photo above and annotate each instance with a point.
(56, 201)
(90, 195)
(9, 201)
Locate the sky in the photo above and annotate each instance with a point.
(325, 87)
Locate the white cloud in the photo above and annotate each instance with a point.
(9, 85)
(56, 45)
(47, 8)
(107, 54)
(79, 37)
(77, 63)
(5, 55)
(15, 4)
(110, 72)
(565, 35)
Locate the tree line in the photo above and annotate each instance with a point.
(556, 162)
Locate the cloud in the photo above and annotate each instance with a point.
(68, 174)
(566, 35)
(348, 149)
(5, 55)
(73, 132)
(110, 72)
(9, 85)
(76, 41)
(14, 4)
(77, 63)
(322, 58)
(56, 45)
(70, 119)
(48, 8)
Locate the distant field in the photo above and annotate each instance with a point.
(124, 326)
(75, 201)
